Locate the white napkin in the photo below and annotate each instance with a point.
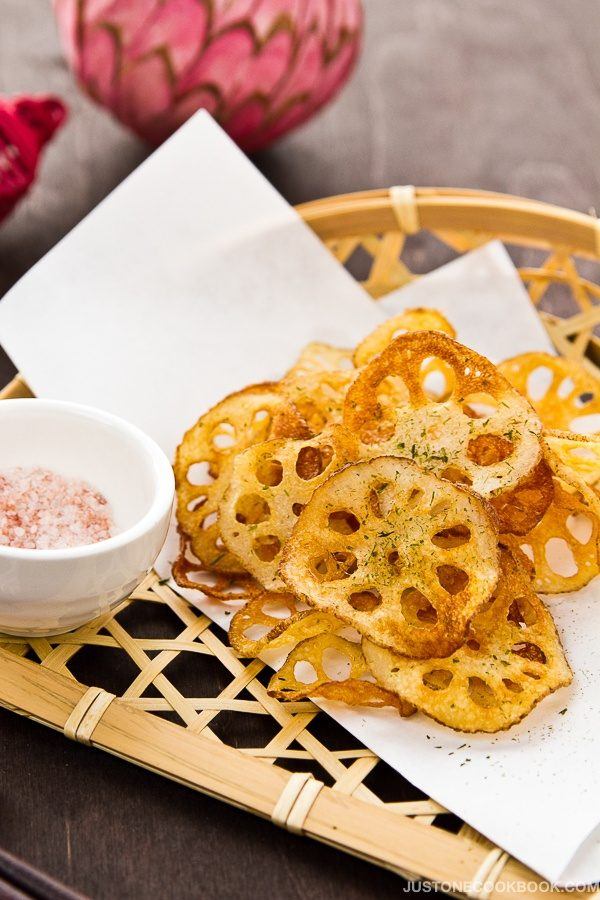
(193, 279)
(483, 295)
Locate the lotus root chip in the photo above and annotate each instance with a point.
(363, 693)
(564, 394)
(581, 453)
(511, 660)
(404, 557)
(269, 486)
(319, 396)
(273, 620)
(563, 547)
(318, 357)
(189, 573)
(202, 463)
(331, 667)
(520, 509)
(479, 432)
(419, 319)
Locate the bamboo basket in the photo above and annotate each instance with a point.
(154, 682)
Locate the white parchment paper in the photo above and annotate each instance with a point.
(195, 278)
(192, 279)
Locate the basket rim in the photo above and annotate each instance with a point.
(445, 208)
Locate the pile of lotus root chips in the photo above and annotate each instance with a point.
(392, 514)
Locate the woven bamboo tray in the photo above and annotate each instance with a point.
(154, 682)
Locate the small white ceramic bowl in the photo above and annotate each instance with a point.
(45, 592)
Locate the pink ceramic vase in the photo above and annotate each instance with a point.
(261, 67)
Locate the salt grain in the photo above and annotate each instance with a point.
(41, 510)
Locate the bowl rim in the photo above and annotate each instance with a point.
(164, 482)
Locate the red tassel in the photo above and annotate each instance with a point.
(26, 125)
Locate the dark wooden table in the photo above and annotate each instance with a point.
(499, 94)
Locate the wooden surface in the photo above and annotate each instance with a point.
(495, 94)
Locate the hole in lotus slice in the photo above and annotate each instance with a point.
(199, 474)
(373, 501)
(452, 579)
(266, 547)
(335, 565)
(448, 538)
(395, 561)
(589, 424)
(343, 522)
(528, 551)
(481, 693)
(584, 453)
(305, 672)
(312, 461)
(262, 417)
(281, 607)
(414, 498)
(350, 634)
(269, 472)
(251, 509)
(377, 433)
(489, 449)
(539, 382)
(559, 557)
(439, 507)
(365, 601)
(209, 520)
(197, 503)
(565, 388)
(438, 379)
(392, 392)
(584, 399)
(437, 679)
(532, 675)
(381, 500)
(336, 665)
(473, 645)
(479, 405)
(529, 651)
(512, 686)
(223, 436)
(416, 608)
(256, 632)
(521, 613)
(456, 475)
(581, 527)
(297, 508)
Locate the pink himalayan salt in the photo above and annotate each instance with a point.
(41, 510)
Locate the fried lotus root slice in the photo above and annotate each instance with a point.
(270, 485)
(520, 509)
(563, 547)
(189, 572)
(562, 392)
(202, 462)
(511, 660)
(404, 557)
(419, 319)
(481, 432)
(319, 397)
(273, 620)
(318, 357)
(581, 453)
(331, 667)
